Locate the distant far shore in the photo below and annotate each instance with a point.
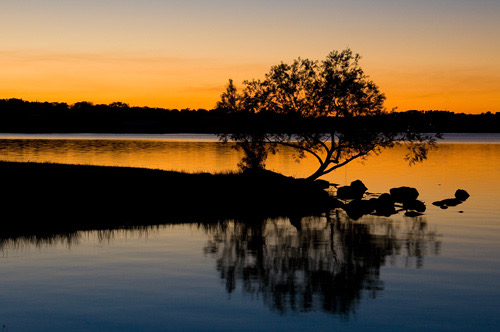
(197, 137)
(19, 116)
(54, 197)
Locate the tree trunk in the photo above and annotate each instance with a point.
(319, 172)
(324, 165)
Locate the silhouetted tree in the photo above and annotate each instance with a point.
(82, 106)
(253, 143)
(119, 105)
(336, 88)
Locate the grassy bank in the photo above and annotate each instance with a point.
(42, 196)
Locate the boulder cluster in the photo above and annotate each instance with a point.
(460, 196)
(398, 199)
(387, 204)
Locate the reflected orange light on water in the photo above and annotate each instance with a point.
(471, 166)
(187, 156)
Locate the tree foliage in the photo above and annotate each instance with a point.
(336, 87)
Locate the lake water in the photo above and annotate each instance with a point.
(437, 272)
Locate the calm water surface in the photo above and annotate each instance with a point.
(438, 272)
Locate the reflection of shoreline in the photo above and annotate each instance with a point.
(75, 238)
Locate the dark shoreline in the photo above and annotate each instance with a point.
(19, 116)
(45, 197)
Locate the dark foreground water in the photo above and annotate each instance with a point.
(437, 272)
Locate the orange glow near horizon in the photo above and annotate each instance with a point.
(147, 81)
(460, 91)
(197, 83)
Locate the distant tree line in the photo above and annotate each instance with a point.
(17, 115)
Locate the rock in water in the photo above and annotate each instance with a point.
(461, 195)
(358, 189)
(412, 214)
(445, 203)
(358, 208)
(323, 184)
(354, 209)
(355, 191)
(414, 205)
(385, 205)
(403, 194)
(344, 192)
(451, 202)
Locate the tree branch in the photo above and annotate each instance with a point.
(361, 154)
(296, 146)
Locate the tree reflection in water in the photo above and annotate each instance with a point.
(328, 263)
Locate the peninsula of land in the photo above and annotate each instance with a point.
(44, 196)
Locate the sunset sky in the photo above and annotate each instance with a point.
(439, 54)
